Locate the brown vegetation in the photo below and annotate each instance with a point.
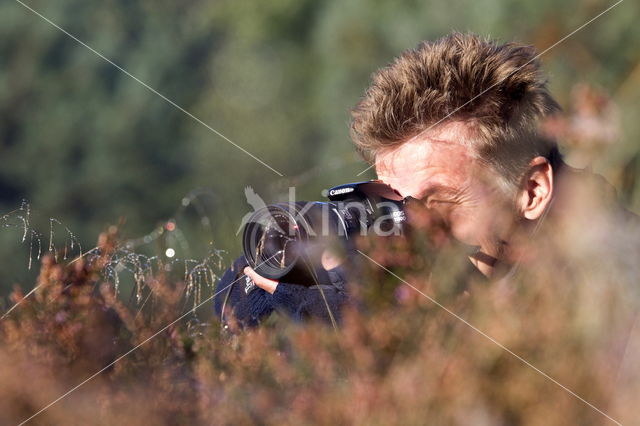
(397, 358)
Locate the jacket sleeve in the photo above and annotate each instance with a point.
(232, 298)
(296, 301)
(322, 301)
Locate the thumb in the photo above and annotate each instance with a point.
(266, 284)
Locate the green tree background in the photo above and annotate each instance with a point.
(88, 145)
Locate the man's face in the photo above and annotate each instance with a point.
(448, 178)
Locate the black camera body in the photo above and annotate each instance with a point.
(285, 241)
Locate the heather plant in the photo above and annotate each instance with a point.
(436, 344)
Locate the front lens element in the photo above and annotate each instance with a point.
(271, 239)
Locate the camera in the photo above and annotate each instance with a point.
(285, 241)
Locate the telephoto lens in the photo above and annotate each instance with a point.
(285, 241)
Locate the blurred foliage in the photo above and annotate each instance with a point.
(87, 144)
(398, 357)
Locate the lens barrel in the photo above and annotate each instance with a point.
(288, 239)
(277, 236)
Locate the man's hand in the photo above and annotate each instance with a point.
(266, 284)
(329, 261)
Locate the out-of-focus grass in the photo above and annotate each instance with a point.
(397, 358)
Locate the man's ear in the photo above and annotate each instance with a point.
(537, 189)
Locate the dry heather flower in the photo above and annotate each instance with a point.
(400, 362)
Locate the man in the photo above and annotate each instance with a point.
(454, 123)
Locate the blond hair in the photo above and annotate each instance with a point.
(498, 91)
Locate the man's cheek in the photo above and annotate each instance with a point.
(475, 227)
(466, 228)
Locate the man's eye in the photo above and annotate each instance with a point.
(438, 202)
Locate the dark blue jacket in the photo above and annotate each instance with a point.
(250, 304)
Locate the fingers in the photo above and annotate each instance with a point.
(262, 282)
(330, 260)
